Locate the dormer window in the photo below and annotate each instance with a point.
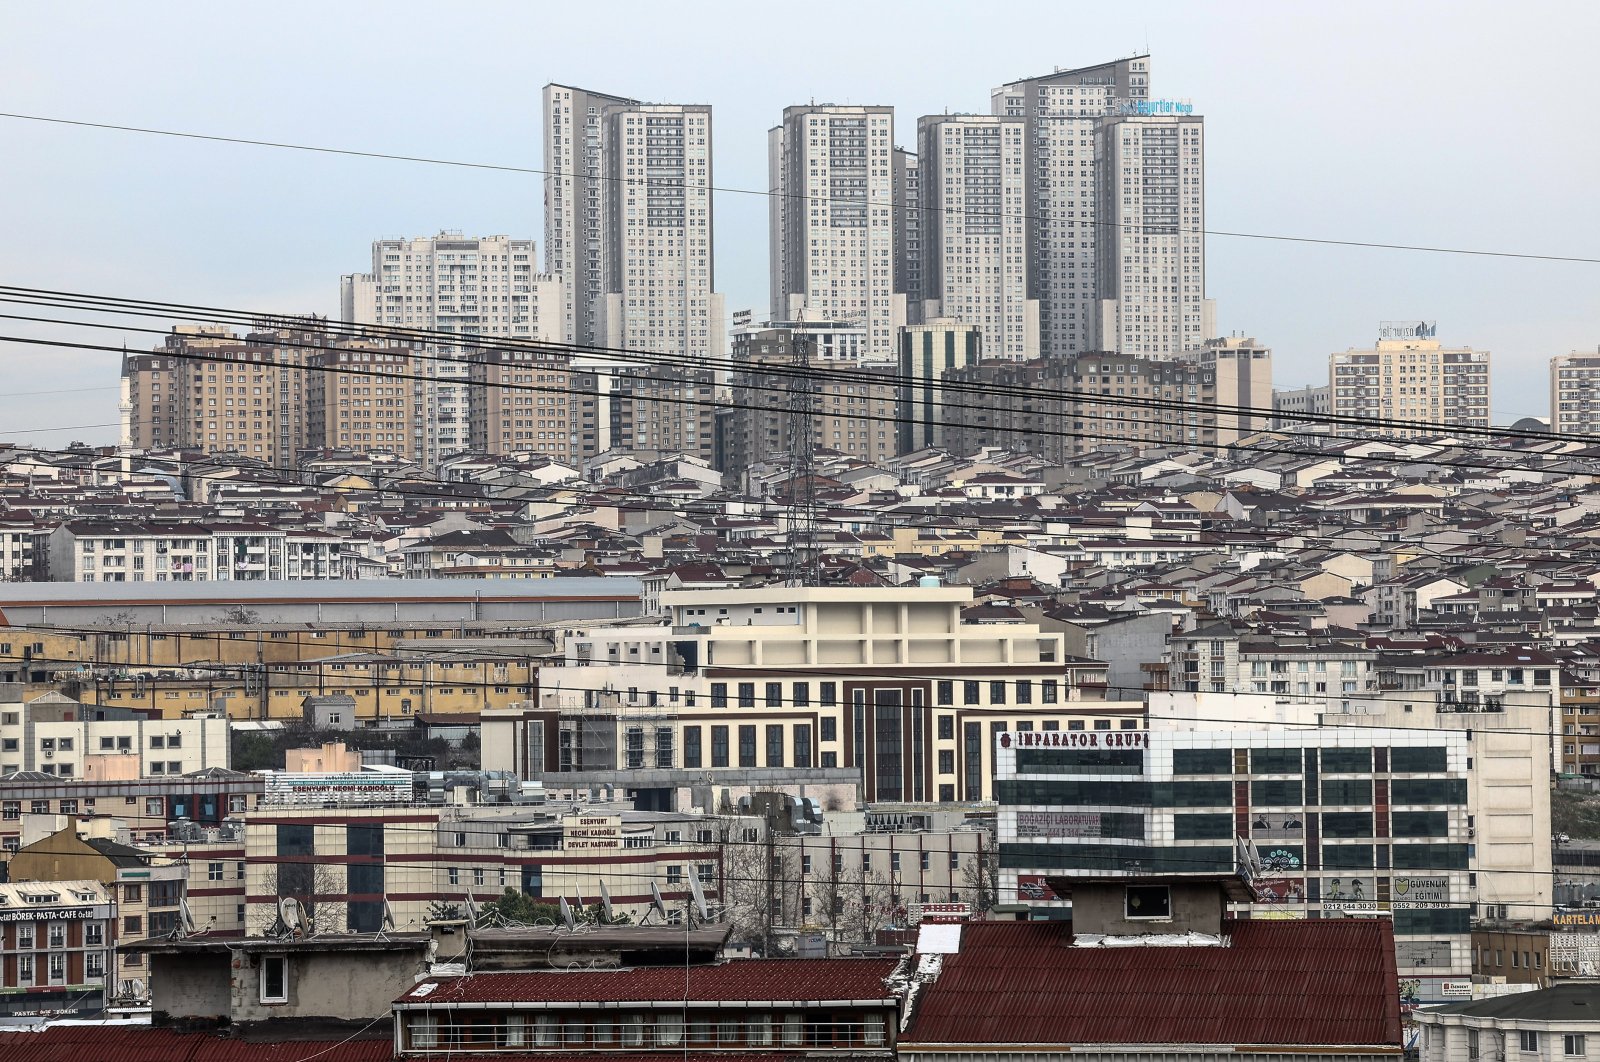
(1153, 902)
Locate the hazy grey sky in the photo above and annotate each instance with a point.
(1467, 124)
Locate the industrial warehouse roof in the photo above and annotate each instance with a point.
(747, 980)
(244, 590)
(1291, 982)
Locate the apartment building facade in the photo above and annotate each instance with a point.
(657, 232)
(95, 551)
(574, 200)
(360, 397)
(975, 240)
(1150, 253)
(853, 407)
(1062, 112)
(449, 286)
(55, 735)
(524, 402)
(1059, 407)
(55, 947)
(832, 217)
(906, 184)
(1575, 394)
(1414, 383)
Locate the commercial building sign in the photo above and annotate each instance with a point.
(338, 787)
(1456, 989)
(1408, 329)
(1421, 892)
(1057, 824)
(51, 914)
(1034, 888)
(1148, 107)
(591, 833)
(1075, 739)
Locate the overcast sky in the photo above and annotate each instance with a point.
(1465, 124)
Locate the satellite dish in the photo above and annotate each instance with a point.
(472, 910)
(699, 897)
(388, 914)
(566, 914)
(185, 917)
(656, 902)
(291, 915)
(605, 900)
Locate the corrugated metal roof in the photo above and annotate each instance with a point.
(1279, 982)
(100, 1043)
(746, 979)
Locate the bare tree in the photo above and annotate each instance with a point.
(980, 878)
(312, 884)
(238, 614)
(762, 890)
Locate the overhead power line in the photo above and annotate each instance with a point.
(593, 358)
(769, 193)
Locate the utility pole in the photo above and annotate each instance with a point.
(805, 559)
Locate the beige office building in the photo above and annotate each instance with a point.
(1411, 380)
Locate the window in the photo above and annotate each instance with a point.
(1148, 901)
(1572, 1044)
(997, 691)
(747, 695)
(274, 979)
(774, 695)
(1528, 1041)
(830, 728)
(747, 745)
(945, 692)
(213, 871)
(719, 695)
(132, 893)
(719, 746)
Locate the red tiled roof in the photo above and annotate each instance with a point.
(1280, 982)
(122, 1043)
(746, 979)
